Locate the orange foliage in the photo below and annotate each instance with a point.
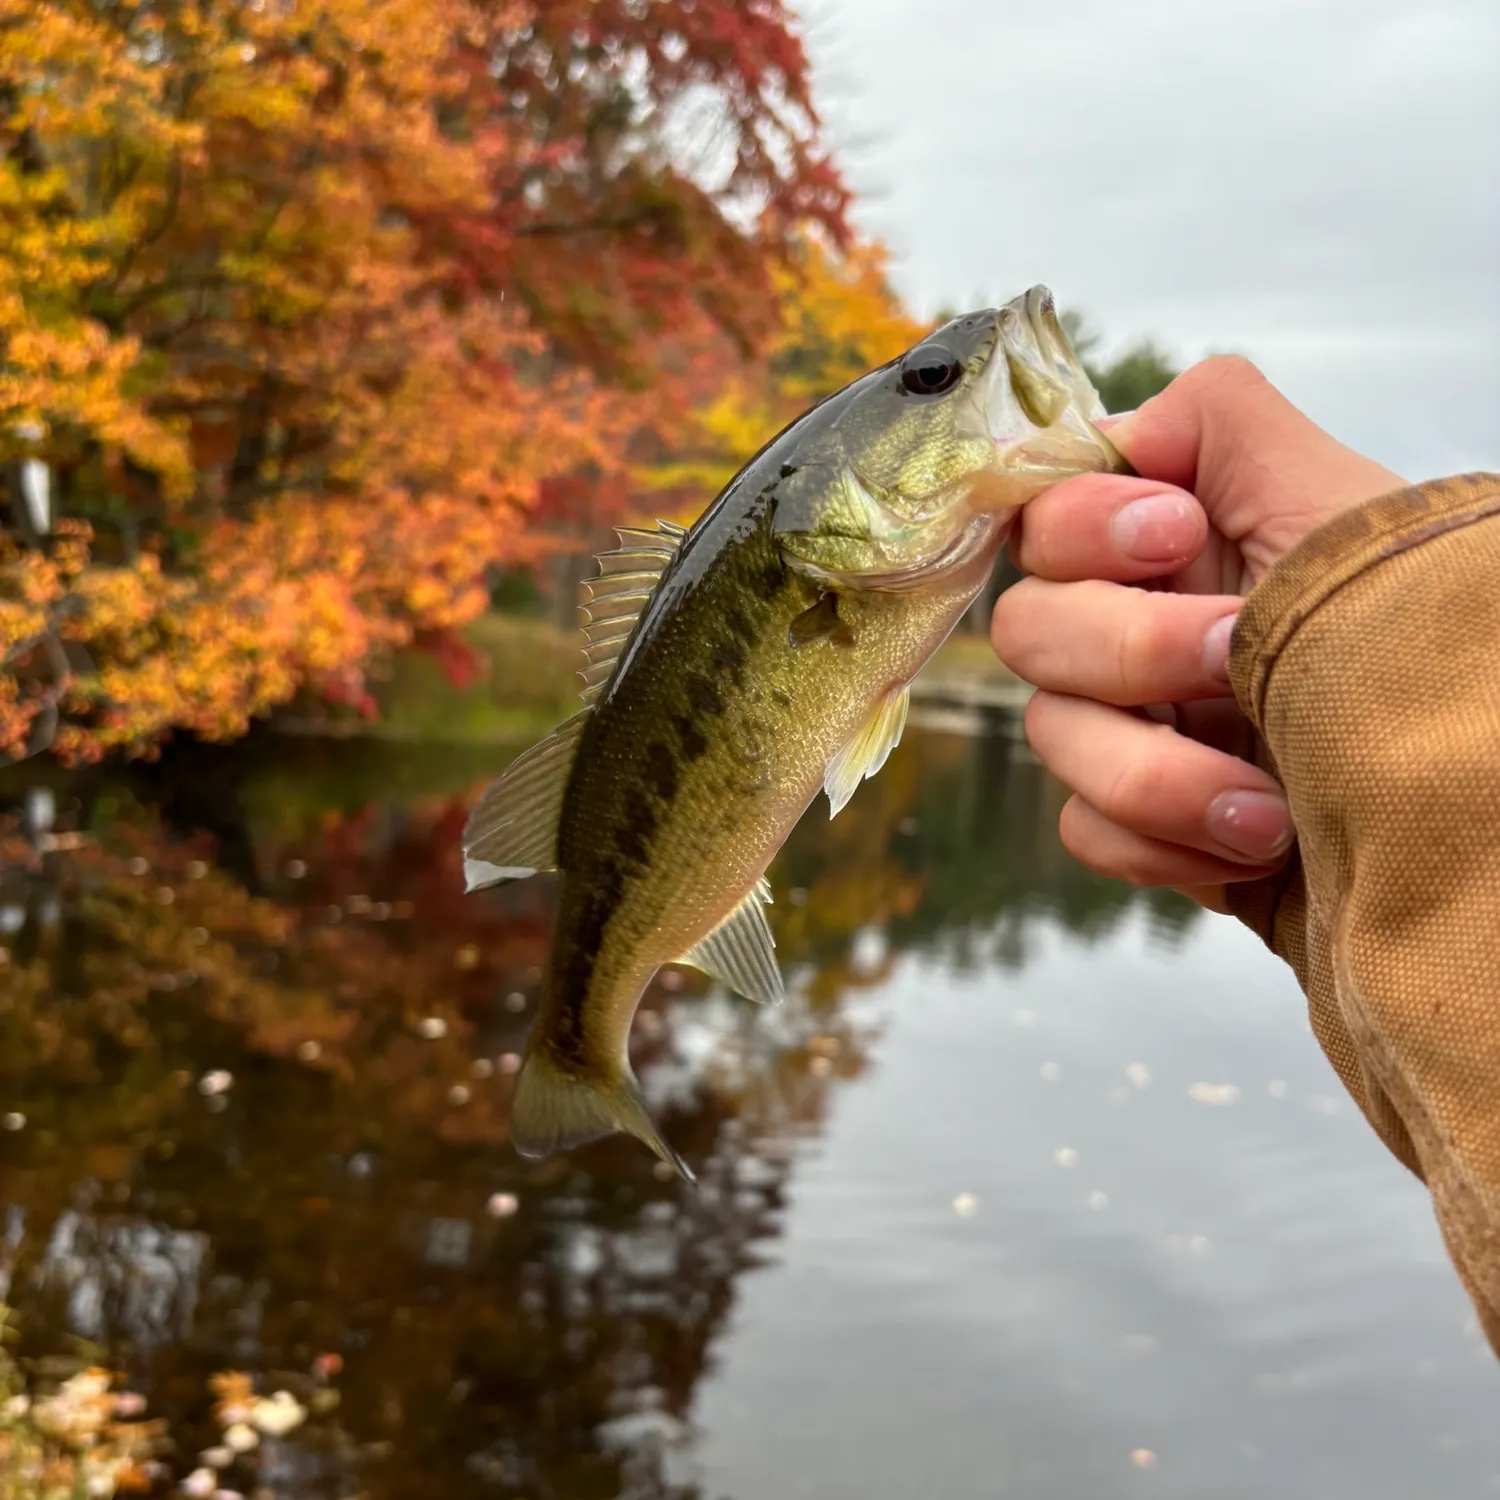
(310, 309)
(835, 317)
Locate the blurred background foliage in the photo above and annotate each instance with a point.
(332, 328)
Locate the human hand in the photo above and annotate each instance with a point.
(1124, 625)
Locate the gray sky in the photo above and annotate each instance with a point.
(1312, 183)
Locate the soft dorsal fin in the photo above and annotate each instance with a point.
(741, 953)
(512, 831)
(610, 603)
(866, 753)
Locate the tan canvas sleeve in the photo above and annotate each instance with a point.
(1368, 660)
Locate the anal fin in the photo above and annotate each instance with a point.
(866, 753)
(741, 953)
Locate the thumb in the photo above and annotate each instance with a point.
(1266, 474)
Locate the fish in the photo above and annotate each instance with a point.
(738, 667)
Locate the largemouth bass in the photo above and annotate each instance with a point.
(738, 667)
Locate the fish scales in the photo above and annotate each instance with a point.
(771, 657)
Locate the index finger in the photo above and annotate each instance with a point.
(1109, 526)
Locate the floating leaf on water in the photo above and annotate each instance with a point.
(1213, 1093)
(278, 1414)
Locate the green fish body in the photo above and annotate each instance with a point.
(738, 668)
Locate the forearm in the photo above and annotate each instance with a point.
(1368, 660)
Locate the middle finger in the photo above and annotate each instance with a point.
(1113, 643)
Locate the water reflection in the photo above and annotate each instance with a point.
(256, 1054)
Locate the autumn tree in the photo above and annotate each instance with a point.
(835, 316)
(317, 313)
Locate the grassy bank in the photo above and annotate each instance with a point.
(528, 682)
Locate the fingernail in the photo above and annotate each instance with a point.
(1257, 825)
(1216, 648)
(1104, 424)
(1157, 528)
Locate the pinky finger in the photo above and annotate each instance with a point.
(1118, 852)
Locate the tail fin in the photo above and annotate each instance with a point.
(555, 1110)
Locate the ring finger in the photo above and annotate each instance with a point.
(1149, 779)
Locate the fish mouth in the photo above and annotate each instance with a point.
(1037, 402)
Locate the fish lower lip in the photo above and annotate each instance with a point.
(1040, 309)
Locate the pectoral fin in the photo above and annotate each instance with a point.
(866, 753)
(512, 832)
(820, 622)
(741, 953)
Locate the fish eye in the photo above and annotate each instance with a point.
(930, 370)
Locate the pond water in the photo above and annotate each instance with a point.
(1037, 1186)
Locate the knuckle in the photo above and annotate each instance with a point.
(1109, 851)
(1134, 788)
(1223, 373)
(1020, 625)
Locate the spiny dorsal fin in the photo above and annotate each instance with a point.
(741, 953)
(865, 754)
(610, 603)
(512, 832)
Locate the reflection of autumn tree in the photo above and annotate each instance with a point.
(953, 850)
(347, 1186)
(532, 1325)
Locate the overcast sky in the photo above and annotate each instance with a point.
(1313, 183)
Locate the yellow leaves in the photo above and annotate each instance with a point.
(836, 317)
(76, 1438)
